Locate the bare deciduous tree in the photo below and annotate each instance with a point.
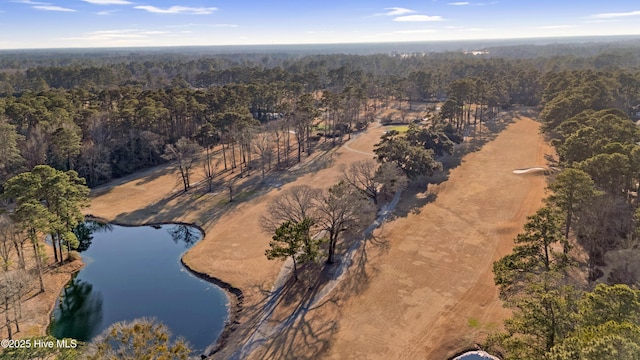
(343, 208)
(294, 204)
(184, 151)
(391, 178)
(209, 169)
(263, 147)
(14, 285)
(8, 237)
(372, 179)
(361, 175)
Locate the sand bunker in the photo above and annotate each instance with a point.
(530, 170)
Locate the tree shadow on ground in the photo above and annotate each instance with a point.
(143, 176)
(489, 132)
(306, 321)
(417, 195)
(279, 326)
(247, 188)
(177, 204)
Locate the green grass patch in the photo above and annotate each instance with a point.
(473, 323)
(399, 128)
(244, 195)
(196, 196)
(239, 197)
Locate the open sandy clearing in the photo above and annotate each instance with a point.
(426, 288)
(422, 287)
(234, 244)
(430, 291)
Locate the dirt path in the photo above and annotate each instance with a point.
(406, 295)
(429, 291)
(233, 248)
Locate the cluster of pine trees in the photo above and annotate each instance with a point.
(564, 305)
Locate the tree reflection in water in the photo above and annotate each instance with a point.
(84, 232)
(185, 234)
(78, 313)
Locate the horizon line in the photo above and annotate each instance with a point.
(525, 39)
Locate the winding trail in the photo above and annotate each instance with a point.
(264, 329)
(427, 273)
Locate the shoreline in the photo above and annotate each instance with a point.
(236, 302)
(52, 308)
(235, 296)
(475, 351)
(248, 273)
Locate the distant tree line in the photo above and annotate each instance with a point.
(115, 125)
(108, 119)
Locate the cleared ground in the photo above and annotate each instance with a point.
(233, 248)
(422, 288)
(428, 290)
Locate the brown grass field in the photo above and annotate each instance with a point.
(421, 287)
(428, 288)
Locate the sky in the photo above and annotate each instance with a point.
(123, 23)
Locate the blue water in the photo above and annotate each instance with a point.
(475, 355)
(134, 272)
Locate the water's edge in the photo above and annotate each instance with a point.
(234, 295)
(476, 350)
(236, 301)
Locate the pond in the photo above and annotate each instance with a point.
(134, 272)
(475, 355)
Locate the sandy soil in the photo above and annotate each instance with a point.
(37, 307)
(422, 287)
(233, 248)
(429, 291)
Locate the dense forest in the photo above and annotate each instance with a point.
(90, 117)
(109, 117)
(554, 280)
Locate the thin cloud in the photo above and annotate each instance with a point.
(184, 25)
(117, 35)
(552, 27)
(420, 31)
(314, 32)
(398, 11)
(600, 21)
(203, 25)
(616, 15)
(474, 30)
(52, 8)
(418, 18)
(44, 6)
(465, 3)
(29, 2)
(106, 13)
(185, 10)
(108, 2)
